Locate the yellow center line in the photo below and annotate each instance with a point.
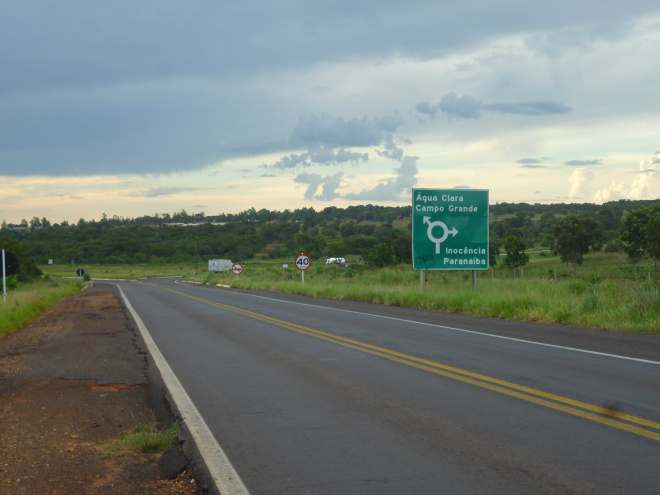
(602, 415)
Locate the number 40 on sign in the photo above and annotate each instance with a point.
(303, 263)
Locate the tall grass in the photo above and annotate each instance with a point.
(29, 300)
(126, 272)
(606, 294)
(589, 300)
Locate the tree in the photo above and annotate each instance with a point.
(493, 252)
(573, 236)
(27, 269)
(642, 234)
(380, 255)
(515, 252)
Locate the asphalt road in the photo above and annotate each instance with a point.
(309, 396)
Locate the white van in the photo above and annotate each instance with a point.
(332, 261)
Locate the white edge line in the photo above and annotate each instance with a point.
(639, 360)
(223, 473)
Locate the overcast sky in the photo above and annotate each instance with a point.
(135, 107)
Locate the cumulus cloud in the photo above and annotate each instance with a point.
(321, 156)
(645, 184)
(328, 141)
(328, 184)
(580, 181)
(394, 188)
(467, 107)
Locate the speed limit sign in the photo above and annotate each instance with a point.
(303, 262)
(237, 268)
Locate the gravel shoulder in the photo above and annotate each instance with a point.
(73, 378)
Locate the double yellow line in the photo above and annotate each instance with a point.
(600, 414)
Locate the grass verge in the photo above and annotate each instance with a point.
(144, 438)
(29, 300)
(607, 292)
(589, 300)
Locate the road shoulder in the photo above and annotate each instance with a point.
(75, 377)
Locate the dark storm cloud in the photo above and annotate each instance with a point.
(467, 107)
(153, 87)
(327, 139)
(452, 105)
(334, 132)
(529, 108)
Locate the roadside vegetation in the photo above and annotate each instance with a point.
(28, 300)
(606, 294)
(579, 264)
(144, 438)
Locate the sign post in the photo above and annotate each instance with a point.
(4, 280)
(9, 267)
(303, 263)
(450, 229)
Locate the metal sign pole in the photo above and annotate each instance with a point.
(4, 280)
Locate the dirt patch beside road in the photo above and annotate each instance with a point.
(71, 379)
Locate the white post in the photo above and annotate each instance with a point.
(422, 279)
(4, 280)
(303, 276)
(474, 279)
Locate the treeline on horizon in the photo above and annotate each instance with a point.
(369, 231)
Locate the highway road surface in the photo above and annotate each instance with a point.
(292, 395)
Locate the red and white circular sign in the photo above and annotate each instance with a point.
(237, 268)
(303, 262)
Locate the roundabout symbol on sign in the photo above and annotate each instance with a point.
(237, 268)
(445, 233)
(303, 262)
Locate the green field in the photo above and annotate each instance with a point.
(607, 293)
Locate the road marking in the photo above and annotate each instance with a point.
(223, 473)
(577, 408)
(474, 332)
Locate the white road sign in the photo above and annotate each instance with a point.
(303, 262)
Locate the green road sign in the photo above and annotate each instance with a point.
(450, 229)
